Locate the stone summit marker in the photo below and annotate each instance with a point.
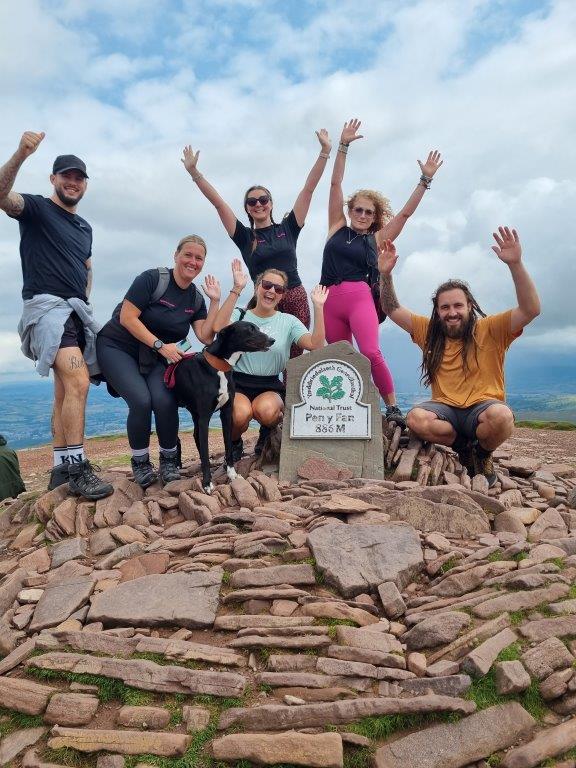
(332, 412)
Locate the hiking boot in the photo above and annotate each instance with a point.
(237, 450)
(393, 413)
(84, 482)
(169, 469)
(58, 476)
(483, 463)
(144, 471)
(466, 457)
(262, 437)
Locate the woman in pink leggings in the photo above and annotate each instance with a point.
(350, 251)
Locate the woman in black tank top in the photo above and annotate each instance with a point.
(351, 250)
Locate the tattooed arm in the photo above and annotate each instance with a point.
(11, 202)
(89, 278)
(387, 258)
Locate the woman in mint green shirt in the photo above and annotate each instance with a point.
(259, 389)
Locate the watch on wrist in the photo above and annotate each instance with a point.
(158, 345)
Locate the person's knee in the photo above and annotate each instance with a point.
(139, 403)
(76, 386)
(497, 418)
(418, 420)
(268, 414)
(241, 417)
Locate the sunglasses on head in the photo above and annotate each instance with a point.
(358, 210)
(252, 201)
(268, 285)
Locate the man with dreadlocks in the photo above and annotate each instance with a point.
(463, 358)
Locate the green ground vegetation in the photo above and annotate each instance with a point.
(561, 426)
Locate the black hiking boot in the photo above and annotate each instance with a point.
(393, 413)
(144, 471)
(84, 482)
(262, 437)
(58, 476)
(483, 463)
(169, 469)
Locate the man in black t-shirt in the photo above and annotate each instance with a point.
(57, 329)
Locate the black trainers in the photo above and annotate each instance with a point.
(58, 476)
(144, 471)
(393, 413)
(262, 437)
(483, 463)
(169, 469)
(84, 482)
(237, 450)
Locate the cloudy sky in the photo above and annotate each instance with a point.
(490, 83)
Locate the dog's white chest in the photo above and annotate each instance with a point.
(222, 391)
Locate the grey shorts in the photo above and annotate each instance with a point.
(463, 420)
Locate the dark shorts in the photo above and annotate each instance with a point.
(252, 386)
(463, 420)
(73, 335)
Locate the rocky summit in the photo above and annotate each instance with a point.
(421, 621)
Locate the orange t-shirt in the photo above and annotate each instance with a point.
(484, 379)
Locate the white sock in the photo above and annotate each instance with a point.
(140, 453)
(76, 454)
(168, 451)
(60, 456)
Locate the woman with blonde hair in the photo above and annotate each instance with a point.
(350, 260)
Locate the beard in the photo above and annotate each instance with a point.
(66, 199)
(456, 331)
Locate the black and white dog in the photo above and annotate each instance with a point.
(203, 384)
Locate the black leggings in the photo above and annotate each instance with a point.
(143, 394)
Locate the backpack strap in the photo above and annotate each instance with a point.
(163, 282)
(242, 313)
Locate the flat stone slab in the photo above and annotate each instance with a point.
(357, 559)
(17, 742)
(272, 717)
(319, 750)
(68, 549)
(295, 575)
(547, 744)
(24, 695)
(71, 709)
(183, 599)
(59, 601)
(122, 742)
(458, 744)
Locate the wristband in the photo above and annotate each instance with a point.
(325, 155)
(425, 181)
(236, 292)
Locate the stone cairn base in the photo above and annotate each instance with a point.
(421, 621)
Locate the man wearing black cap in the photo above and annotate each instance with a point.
(57, 328)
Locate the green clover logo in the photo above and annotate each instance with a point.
(331, 389)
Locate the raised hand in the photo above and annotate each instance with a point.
(29, 143)
(211, 287)
(433, 162)
(324, 139)
(350, 131)
(507, 248)
(387, 257)
(190, 159)
(239, 277)
(319, 294)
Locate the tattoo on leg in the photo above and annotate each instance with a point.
(76, 363)
(388, 294)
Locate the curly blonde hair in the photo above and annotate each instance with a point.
(383, 209)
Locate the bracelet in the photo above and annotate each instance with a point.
(425, 181)
(236, 292)
(343, 148)
(325, 155)
(196, 176)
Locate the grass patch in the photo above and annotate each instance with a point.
(226, 576)
(263, 654)
(108, 689)
(195, 756)
(381, 727)
(561, 426)
(265, 688)
(320, 578)
(520, 556)
(483, 692)
(330, 622)
(512, 653)
(517, 617)
(495, 557)
(359, 757)
(13, 721)
(571, 593)
(70, 757)
(159, 658)
(448, 565)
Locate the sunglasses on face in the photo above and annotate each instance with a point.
(269, 286)
(252, 201)
(359, 211)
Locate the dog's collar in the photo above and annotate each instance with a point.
(217, 362)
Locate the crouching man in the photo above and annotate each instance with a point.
(57, 328)
(463, 354)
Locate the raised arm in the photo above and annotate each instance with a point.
(304, 199)
(336, 217)
(227, 215)
(240, 278)
(387, 258)
(509, 250)
(317, 338)
(11, 202)
(204, 329)
(393, 228)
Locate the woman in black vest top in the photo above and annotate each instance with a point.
(265, 244)
(351, 249)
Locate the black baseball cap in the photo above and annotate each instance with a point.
(69, 163)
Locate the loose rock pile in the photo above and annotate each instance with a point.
(421, 621)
